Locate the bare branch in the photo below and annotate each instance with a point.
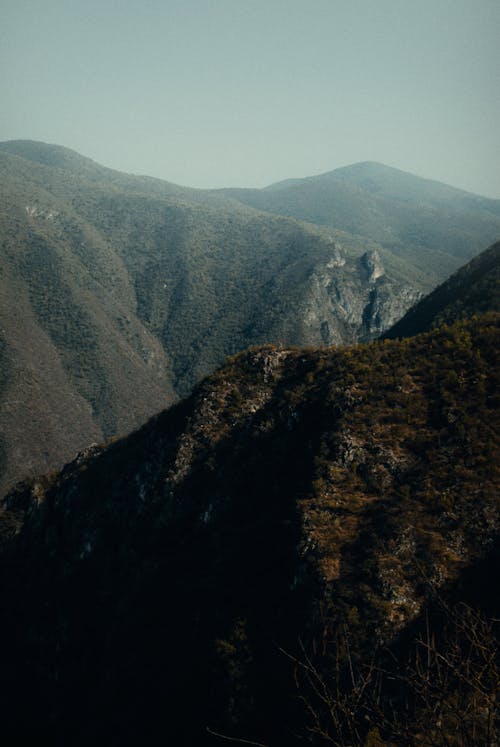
(234, 739)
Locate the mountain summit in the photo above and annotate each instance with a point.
(430, 225)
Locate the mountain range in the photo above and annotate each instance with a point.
(300, 546)
(120, 292)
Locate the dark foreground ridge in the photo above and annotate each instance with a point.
(258, 561)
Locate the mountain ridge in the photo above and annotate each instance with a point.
(52, 154)
(294, 495)
(363, 170)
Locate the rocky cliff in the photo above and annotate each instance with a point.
(352, 301)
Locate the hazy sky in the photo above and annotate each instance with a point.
(215, 93)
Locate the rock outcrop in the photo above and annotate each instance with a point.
(352, 301)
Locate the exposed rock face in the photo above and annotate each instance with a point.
(154, 591)
(351, 301)
(372, 264)
(385, 306)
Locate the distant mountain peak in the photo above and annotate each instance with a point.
(374, 176)
(357, 169)
(48, 154)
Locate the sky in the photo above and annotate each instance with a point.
(213, 93)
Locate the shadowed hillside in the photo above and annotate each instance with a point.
(474, 289)
(297, 515)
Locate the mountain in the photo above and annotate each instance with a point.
(119, 293)
(73, 351)
(260, 562)
(473, 289)
(430, 225)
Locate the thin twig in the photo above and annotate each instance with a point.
(234, 739)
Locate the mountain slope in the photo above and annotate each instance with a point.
(73, 349)
(119, 293)
(473, 289)
(165, 589)
(431, 225)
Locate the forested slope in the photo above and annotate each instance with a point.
(473, 289)
(119, 293)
